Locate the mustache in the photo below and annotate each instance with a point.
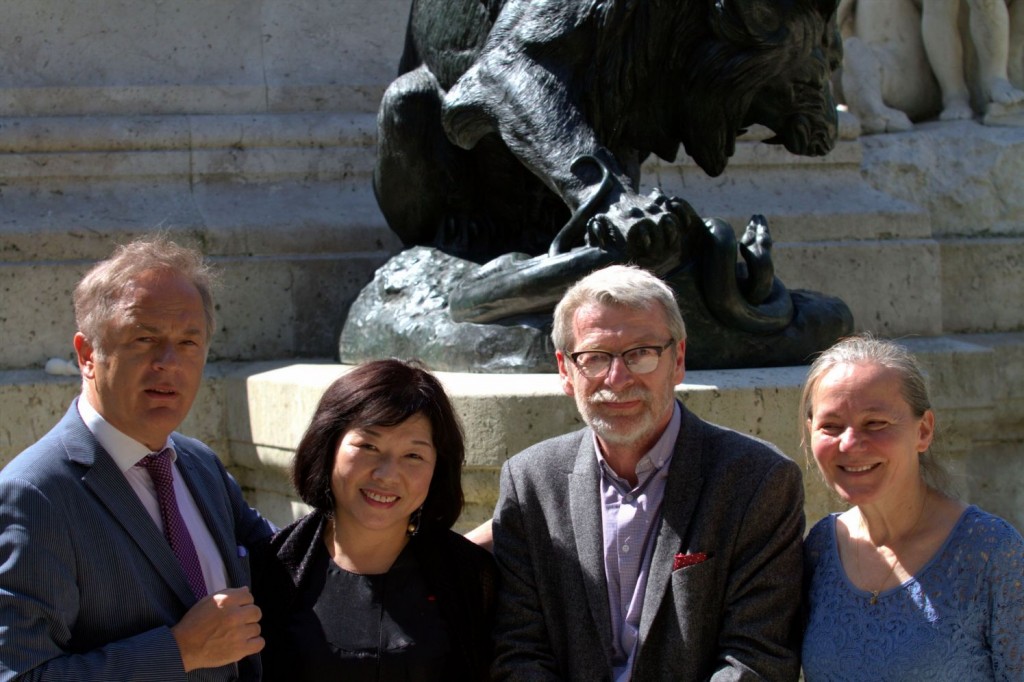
(606, 396)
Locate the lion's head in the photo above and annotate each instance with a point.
(797, 103)
(715, 67)
(772, 65)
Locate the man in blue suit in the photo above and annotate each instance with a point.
(91, 587)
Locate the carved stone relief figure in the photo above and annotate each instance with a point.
(909, 60)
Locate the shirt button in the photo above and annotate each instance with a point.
(625, 549)
(629, 498)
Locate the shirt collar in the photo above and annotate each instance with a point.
(659, 454)
(125, 450)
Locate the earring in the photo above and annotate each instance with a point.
(415, 519)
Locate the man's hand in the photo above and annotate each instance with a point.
(221, 628)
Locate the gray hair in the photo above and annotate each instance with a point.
(621, 285)
(865, 349)
(101, 290)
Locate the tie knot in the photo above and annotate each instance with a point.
(158, 463)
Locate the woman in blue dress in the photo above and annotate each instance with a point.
(373, 586)
(909, 583)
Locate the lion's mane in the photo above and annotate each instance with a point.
(666, 72)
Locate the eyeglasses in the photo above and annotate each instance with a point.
(640, 360)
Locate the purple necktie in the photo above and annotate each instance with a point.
(159, 466)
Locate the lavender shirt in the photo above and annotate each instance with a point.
(630, 516)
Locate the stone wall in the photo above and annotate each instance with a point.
(128, 58)
(245, 128)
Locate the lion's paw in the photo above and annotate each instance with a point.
(648, 230)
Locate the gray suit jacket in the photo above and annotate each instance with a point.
(730, 617)
(89, 587)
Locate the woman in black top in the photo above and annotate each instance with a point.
(373, 584)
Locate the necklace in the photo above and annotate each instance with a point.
(896, 561)
(874, 593)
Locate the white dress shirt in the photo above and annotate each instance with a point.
(126, 452)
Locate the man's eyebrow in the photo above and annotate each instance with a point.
(141, 326)
(149, 328)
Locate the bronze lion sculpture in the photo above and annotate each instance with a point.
(515, 132)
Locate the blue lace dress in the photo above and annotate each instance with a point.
(961, 618)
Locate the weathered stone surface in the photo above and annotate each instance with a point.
(232, 56)
(969, 177)
(404, 312)
(267, 307)
(32, 402)
(892, 286)
(983, 284)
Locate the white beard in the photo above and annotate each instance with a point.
(639, 430)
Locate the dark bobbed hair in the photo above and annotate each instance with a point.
(383, 393)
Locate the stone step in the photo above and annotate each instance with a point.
(282, 202)
(969, 177)
(243, 185)
(61, 151)
(226, 219)
(833, 232)
(224, 57)
(804, 200)
(253, 414)
(982, 283)
(282, 306)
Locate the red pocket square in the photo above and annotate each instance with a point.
(684, 560)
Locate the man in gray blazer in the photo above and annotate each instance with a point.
(650, 545)
(104, 562)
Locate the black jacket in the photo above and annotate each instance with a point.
(461, 574)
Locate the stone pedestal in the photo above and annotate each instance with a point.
(254, 414)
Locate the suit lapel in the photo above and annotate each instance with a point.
(204, 487)
(682, 491)
(585, 509)
(112, 489)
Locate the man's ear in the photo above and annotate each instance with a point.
(565, 374)
(679, 370)
(86, 355)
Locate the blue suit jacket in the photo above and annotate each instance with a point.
(89, 587)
